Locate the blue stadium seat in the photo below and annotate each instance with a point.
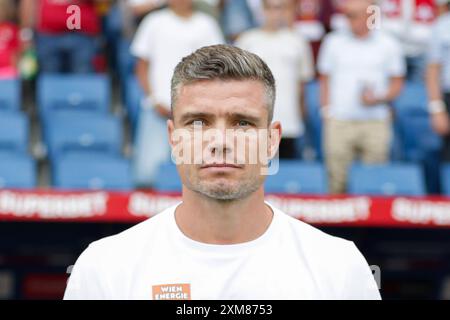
(386, 180)
(77, 130)
(10, 93)
(445, 179)
(90, 92)
(167, 179)
(418, 137)
(417, 142)
(313, 121)
(133, 96)
(298, 177)
(13, 131)
(413, 123)
(78, 171)
(17, 171)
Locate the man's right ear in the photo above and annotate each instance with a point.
(170, 130)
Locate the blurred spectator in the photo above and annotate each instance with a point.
(9, 41)
(313, 20)
(338, 20)
(361, 71)
(140, 8)
(257, 9)
(163, 38)
(289, 57)
(61, 48)
(236, 18)
(308, 21)
(410, 22)
(438, 76)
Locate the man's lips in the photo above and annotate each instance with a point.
(221, 165)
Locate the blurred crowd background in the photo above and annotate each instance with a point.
(363, 97)
(363, 87)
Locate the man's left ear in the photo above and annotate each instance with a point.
(275, 131)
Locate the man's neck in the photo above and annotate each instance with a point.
(182, 12)
(270, 28)
(362, 35)
(223, 222)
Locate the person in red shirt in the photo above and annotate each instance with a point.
(66, 33)
(9, 41)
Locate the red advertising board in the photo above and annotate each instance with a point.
(133, 207)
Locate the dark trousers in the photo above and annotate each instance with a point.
(288, 148)
(446, 146)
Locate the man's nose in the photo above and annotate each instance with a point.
(220, 144)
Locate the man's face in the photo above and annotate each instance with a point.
(278, 13)
(357, 15)
(180, 4)
(228, 131)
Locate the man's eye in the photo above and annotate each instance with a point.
(243, 123)
(197, 123)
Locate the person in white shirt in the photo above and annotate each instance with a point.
(289, 56)
(163, 38)
(361, 71)
(222, 241)
(438, 77)
(410, 22)
(142, 7)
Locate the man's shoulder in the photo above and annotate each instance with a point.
(385, 39)
(306, 230)
(442, 24)
(336, 36)
(251, 36)
(253, 32)
(204, 18)
(315, 242)
(443, 20)
(131, 241)
(337, 264)
(156, 16)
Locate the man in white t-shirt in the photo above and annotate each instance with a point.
(410, 22)
(438, 77)
(361, 71)
(142, 7)
(162, 39)
(289, 57)
(223, 241)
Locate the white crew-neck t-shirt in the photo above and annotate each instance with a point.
(164, 38)
(155, 260)
(289, 57)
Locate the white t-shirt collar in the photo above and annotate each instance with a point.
(229, 249)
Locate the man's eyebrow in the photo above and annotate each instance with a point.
(246, 116)
(235, 115)
(193, 115)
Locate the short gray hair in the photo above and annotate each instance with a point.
(223, 62)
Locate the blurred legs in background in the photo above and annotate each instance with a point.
(446, 147)
(345, 140)
(151, 147)
(69, 52)
(416, 68)
(236, 18)
(288, 148)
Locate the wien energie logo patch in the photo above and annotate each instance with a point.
(180, 291)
